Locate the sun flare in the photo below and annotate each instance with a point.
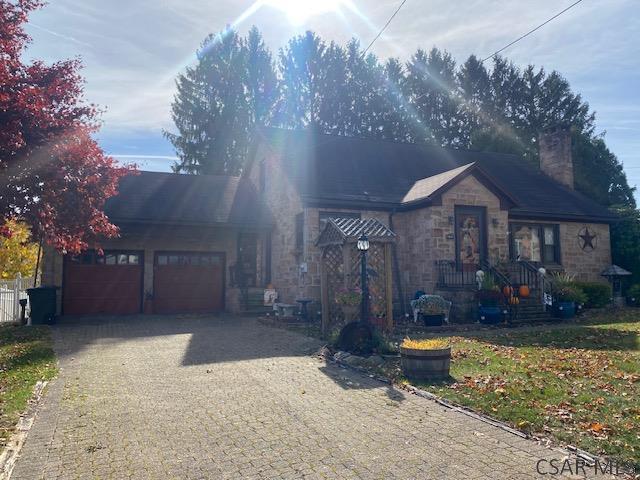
(298, 11)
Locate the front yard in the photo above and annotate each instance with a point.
(579, 383)
(26, 356)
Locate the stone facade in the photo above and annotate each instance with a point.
(151, 240)
(586, 264)
(555, 155)
(279, 192)
(428, 234)
(424, 235)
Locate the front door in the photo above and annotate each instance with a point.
(471, 237)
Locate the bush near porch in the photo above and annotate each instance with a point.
(26, 356)
(578, 383)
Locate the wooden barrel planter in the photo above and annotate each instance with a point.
(419, 364)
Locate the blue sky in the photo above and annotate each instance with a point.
(133, 49)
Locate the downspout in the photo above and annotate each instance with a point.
(396, 268)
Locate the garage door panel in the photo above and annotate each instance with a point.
(96, 288)
(194, 285)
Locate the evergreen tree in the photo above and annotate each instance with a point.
(219, 100)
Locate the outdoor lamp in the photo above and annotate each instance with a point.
(363, 243)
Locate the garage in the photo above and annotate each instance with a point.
(103, 284)
(188, 282)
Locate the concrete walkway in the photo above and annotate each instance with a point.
(223, 397)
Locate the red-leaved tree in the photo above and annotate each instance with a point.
(53, 174)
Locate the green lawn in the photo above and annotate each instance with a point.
(579, 383)
(26, 356)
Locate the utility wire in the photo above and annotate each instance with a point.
(384, 28)
(530, 32)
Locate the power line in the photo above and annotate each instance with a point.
(383, 28)
(531, 31)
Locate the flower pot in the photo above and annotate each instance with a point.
(433, 320)
(489, 315)
(565, 309)
(425, 364)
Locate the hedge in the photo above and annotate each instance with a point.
(598, 294)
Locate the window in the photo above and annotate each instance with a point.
(195, 259)
(299, 230)
(535, 243)
(109, 257)
(324, 216)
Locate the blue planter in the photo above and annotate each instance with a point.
(565, 309)
(489, 315)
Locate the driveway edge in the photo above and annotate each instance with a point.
(11, 451)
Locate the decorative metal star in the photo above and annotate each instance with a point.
(587, 239)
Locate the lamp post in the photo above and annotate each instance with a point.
(363, 246)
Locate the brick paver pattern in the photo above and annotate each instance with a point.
(226, 397)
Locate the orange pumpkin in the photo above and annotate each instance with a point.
(507, 290)
(524, 291)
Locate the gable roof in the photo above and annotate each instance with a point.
(154, 197)
(364, 172)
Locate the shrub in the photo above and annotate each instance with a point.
(568, 293)
(425, 344)
(598, 294)
(634, 293)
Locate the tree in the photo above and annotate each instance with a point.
(625, 240)
(53, 175)
(219, 101)
(18, 254)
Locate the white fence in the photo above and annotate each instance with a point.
(11, 291)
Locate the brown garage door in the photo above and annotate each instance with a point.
(102, 284)
(188, 282)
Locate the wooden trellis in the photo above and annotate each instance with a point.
(340, 269)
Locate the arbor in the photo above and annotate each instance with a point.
(53, 175)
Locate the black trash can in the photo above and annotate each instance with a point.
(43, 305)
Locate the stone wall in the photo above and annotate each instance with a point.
(283, 201)
(555, 155)
(149, 240)
(428, 234)
(586, 264)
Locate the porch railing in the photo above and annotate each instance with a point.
(449, 275)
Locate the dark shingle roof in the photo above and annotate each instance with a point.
(346, 169)
(186, 199)
(340, 230)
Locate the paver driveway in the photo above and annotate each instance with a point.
(224, 397)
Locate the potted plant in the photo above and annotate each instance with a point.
(349, 300)
(433, 309)
(425, 359)
(566, 295)
(489, 296)
(565, 300)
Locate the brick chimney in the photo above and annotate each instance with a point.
(555, 154)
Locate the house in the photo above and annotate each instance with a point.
(199, 238)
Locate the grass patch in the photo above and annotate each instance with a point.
(579, 383)
(26, 356)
